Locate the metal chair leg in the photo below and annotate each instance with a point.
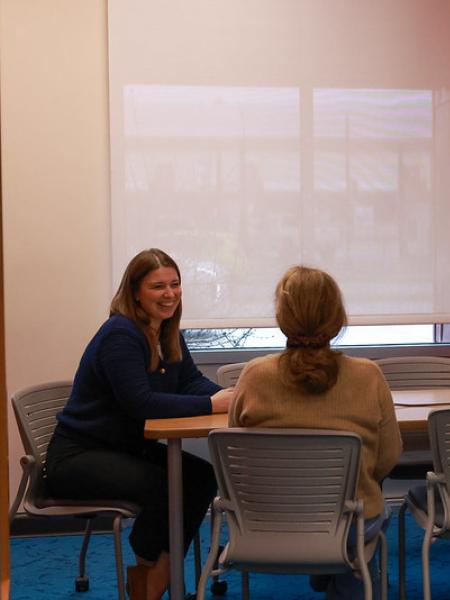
(82, 581)
(211, 559)
(426, 565)
(218, 587)
(428, 537)
(245, 585)
(383, 566)
(197, 559)
(117, 528)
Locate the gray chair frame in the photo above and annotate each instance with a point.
(35, 409)
(227, 375)
(289, 496)
(431, 510)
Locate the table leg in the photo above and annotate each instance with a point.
(175, 477)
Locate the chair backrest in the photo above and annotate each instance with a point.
(285, 492)
(417, 372)
(439, 434)
(35, 409)
(227, 375)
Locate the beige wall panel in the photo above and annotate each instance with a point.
(54, 90)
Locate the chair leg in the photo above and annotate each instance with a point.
(197, 558)
(245, 585)
(19, 496)
(401, 550)
(117, 529)
(360, 554)
(211, 559)
(427, 538)
(218, 587)
(383, 566)
(82, 581)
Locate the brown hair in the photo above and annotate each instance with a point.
(124, 303)
(310, 312)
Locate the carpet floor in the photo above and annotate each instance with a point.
(44, 568)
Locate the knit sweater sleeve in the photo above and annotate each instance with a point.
(235, 416)
(390, 441)
(122, 361)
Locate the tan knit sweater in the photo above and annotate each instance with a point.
(360, 401)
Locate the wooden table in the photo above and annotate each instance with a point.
(413, 406)
(412, 409)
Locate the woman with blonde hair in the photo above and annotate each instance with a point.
(311, 385)
(136, 367)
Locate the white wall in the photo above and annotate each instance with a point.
(55, 162)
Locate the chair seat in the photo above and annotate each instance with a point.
(43, 502)
(88, 507)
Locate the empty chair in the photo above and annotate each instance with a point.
(289, 496)
(415, 372)
(430, 504)
(227, 375)
(35, 409)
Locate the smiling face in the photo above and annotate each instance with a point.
(159, 294)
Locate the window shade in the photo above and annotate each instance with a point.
(251, 135)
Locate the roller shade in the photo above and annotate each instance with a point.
(251, 135)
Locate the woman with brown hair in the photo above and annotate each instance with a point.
(136, 367)
(310, 385)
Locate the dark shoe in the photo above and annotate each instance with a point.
(137, 582)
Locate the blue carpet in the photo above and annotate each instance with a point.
(44, 568)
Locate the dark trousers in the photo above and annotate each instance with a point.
(105, 474)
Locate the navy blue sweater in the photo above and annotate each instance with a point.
(114, 392)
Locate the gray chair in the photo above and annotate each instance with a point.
(429, 504)
(415, 372)
(35, 409)
(227, 375)
(289, 496)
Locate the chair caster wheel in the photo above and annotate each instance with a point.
(219, 588)
(82, 584)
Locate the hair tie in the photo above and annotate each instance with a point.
(307, 341)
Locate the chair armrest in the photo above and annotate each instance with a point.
(351, 506)
(27, 463)
(436, 481)
(434, 478)
(222, 505)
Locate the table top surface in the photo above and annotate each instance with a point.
(411, 406)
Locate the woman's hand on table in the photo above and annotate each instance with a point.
(220, 401)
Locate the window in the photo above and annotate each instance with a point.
(272, 337)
